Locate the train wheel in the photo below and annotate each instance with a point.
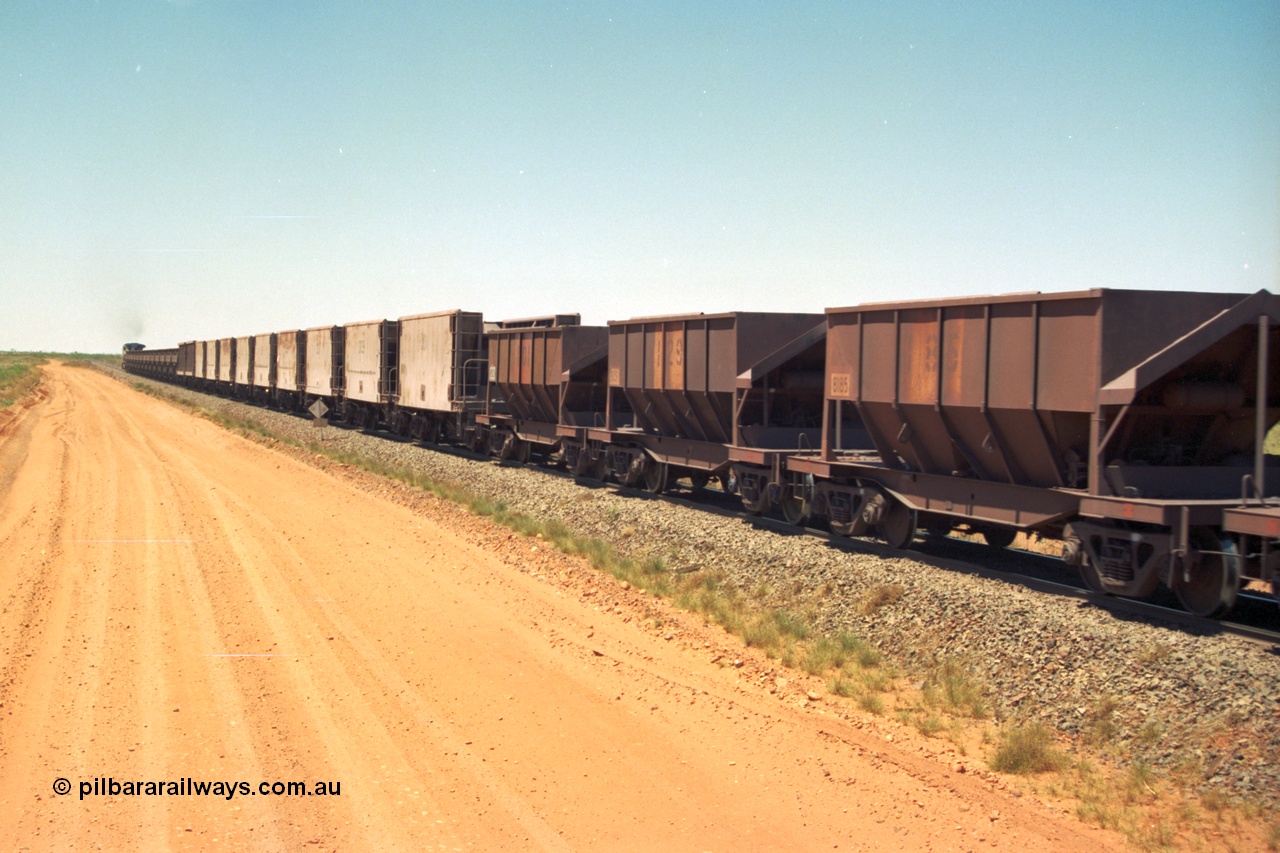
(999, 537)
(582, 464)
(1091, 576)
(797, 508)
(521, 451)
(796, 511)
(728, 484)
(1214, 581)
(699, 480)
(898, 527)
(656, 476)
(637, 469)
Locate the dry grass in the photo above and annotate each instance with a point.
(879, 597)
(1100, 725)
(952, 686)
(1026, 749)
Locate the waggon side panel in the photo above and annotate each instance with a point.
(243, 361)
(427, 361)
(226, 352)
(286, 361)
(320, 360)
(362, 361)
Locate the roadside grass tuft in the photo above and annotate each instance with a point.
(1154, 653)
(871, 703)
(853, 688)
(930, 725)
(1151, 733)
(1100, 726)
(1025, 750)
(773, 629)
(827, 653)
(953, 687)
(1138, 783)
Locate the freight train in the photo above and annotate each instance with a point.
(1130, 425)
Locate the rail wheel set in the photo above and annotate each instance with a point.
(1129, 424)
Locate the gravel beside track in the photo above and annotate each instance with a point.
(1203, 706)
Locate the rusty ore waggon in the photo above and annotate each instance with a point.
(1126, 422)
(1129, 424)
(546, 385)
(723, 396)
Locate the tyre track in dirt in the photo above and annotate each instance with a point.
(179, 602)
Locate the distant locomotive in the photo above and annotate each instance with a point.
(1129, 424)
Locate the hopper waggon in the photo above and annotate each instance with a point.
(1129, 424)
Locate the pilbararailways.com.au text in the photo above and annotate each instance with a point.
(188, 787)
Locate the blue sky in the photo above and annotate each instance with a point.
(178, 170)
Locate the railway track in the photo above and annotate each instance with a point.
(1259, 617)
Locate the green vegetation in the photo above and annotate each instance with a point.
(1027, 749)
(19, 375)
(952, 687)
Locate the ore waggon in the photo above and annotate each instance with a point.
(546, 386)
(435, 374)
(153, 363)
(1129, 424)
(697, 397)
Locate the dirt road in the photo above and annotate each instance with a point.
(184, 607)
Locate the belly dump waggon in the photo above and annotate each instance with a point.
(1126, 423)
(1130, 425)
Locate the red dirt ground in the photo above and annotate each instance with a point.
(182, 603)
